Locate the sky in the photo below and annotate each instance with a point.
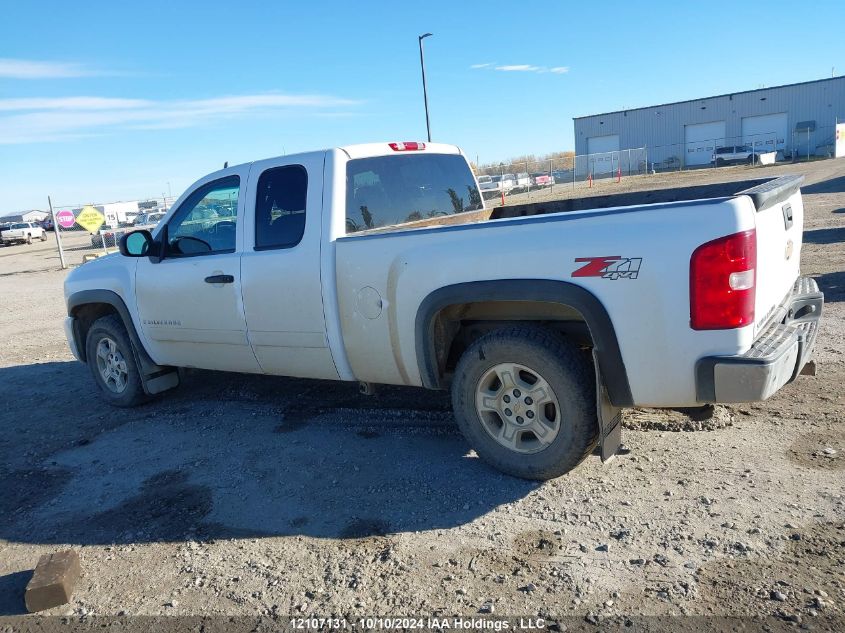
(109, 101)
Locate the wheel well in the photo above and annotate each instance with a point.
(85, 316)
(457, 326)
(449, 318)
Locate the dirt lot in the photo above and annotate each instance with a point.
(247, 495)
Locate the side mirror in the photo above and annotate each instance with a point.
(136, 244)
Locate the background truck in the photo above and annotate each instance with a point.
(23, 232)
(378, 263)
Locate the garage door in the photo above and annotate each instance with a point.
(599, 144)
(767, 133)
(601, 158)
(701, 140)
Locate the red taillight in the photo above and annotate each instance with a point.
(407, 146)
(722, 280)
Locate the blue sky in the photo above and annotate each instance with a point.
(106, 101)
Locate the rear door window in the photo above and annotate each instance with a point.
(389, 190)
(280, 207)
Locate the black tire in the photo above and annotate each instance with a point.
(566, 369)
(112, 328)
(43, 236)
(719, 162)
(28, 239)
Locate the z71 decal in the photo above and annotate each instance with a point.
(610, 267)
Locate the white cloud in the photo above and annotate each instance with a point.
(521, 68)
(524, 68)
(71, 103)
(56, 119)
(30, 69)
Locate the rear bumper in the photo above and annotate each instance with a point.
(775, 358)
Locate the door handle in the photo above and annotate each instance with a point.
(220, 279)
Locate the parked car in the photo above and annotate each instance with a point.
(522, 181)
(734, 154)
(487, 187)
(47, 224)
(508, 182)
(23, 232)
(540, 335)
(504, 183)
(542, 180)
(111, 237)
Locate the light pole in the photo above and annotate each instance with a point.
(425, 94)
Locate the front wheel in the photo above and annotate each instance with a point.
(111, 360)
(44, 236)
(524, 398)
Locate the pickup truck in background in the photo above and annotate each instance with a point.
(544, 320)
(22, 233)
(540, 180)
(522, 182)
(487, 187)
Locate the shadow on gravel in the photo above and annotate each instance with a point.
(832, 185)
(825, 236)
(832, 285)
(12, 587)
(230, 455)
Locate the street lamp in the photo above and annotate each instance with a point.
(425, 94)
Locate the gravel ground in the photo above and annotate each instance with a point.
(244, 495)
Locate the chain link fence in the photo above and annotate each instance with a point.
(88, 231)
(542, 177)
(539, 178)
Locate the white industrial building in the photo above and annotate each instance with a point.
(796, 119)
(25, 216)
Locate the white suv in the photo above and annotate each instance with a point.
(734, 154)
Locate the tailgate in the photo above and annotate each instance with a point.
(780, 227)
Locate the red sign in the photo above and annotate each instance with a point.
(66, 219)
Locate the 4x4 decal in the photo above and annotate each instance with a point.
(610, 267)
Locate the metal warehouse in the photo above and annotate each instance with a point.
(796, 120)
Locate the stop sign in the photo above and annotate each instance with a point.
(66, 219)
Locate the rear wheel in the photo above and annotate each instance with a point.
(524, 398)
(43, 236)
(29, 239)
(111, 360)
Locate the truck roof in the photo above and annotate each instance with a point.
(361, 150)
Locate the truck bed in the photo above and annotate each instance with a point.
(763, 191)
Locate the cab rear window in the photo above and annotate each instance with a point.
(389, 190)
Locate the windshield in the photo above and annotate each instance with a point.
(388, 190)
(19, 226)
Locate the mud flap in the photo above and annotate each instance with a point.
(610, 418)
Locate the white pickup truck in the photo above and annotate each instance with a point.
(23, 232)
(378, 263)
